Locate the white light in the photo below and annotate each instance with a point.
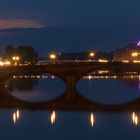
(53, 117)
(92, 119)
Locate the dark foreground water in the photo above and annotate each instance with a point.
(41, 125)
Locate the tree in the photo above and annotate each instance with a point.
(26, 53)
(9, 50)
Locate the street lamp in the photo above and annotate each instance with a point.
(91, 54)
(15, 59)
(53, 56)
(134, 54)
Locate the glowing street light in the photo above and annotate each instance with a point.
(134, 54)
(52, 56)
(91, 54)
(15, 58)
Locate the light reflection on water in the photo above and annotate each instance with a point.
(69, 125)
(134, 117)
(53, 117)
(16, 116)
(92, 119)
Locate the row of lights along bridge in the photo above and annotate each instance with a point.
(53, 57)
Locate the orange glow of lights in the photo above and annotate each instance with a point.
(15, 58)
(136, 61)
(134, 54)
(52, 56)
(103, 61)
(91, 54)
(125, 61)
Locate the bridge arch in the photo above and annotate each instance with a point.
(61, 103)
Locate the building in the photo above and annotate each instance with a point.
(129, 53)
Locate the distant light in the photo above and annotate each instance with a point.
(1, 63)
(103, 61)
(125, 61)
(52, 56)
(135, 54)
(91, 54)
(15, 58)
(7, 63)
(136, 61)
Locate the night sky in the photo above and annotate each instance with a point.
(70, 13)
(70, 25)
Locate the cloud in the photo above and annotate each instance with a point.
(19, 23)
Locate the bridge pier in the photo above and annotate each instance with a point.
(71, 87)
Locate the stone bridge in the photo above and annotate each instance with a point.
(70, 74)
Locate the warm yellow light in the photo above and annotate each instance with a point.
(91, 54)
(52, 56)
(135, 54)
(16, 116)
(7, 63)
(15, 58)
(125, 61)
(103, 71)
(1, 63)
(103, 61)
(53, 117)
(136, 61)
(92, 119)
(89, 77)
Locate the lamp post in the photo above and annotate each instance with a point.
(91, 55)
(52, 56)
(134, 54)
(16, 59)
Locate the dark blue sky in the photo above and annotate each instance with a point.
(75, 25)
(74, 12)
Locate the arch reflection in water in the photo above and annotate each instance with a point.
(53, 117)
(110, 89)
(35, 88)
(16, 116)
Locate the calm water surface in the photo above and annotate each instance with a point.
(25, 124)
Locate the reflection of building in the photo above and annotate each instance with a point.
(130, 52)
